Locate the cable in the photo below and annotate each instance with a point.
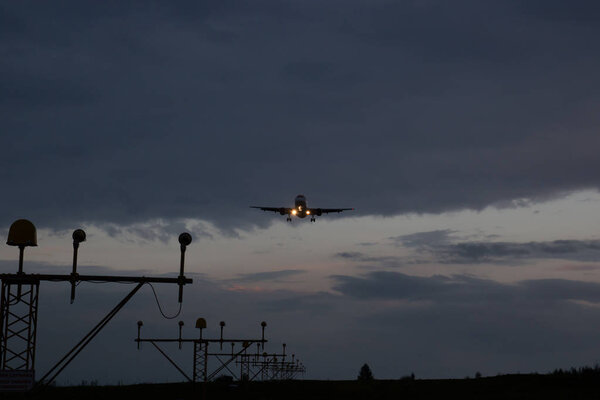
(160, 308)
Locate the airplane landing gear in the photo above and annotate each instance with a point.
(312, 219)
(289, 219)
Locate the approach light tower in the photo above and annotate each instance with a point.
(19, 308)
(202, 352)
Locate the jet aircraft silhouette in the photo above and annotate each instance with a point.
(300, 210)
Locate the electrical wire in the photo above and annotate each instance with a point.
(160, 308)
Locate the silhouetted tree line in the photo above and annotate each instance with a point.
(410, 377)
(581, 371)
(365, 374)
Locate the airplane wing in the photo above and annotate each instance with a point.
(319, 211)
(280, 210)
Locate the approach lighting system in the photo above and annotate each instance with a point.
(22, 233)
(19, 306)
(253, 364)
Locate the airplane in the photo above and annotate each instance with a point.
(300, 210)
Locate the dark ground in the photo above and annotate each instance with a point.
(500, 387)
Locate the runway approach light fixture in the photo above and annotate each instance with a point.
(263, 325)
(241, 354)
(19, 305)
(222, 325)
(184, 240)
(139, 324)
(201, 324)
(180, 328)
(78, 237)
(22, 233)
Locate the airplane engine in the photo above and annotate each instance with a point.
(282, 211)
(318, 212)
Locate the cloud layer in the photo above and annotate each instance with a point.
(123, 114)
(441, 247)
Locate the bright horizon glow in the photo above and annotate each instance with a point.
(312, 247)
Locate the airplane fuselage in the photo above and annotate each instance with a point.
(300, 210)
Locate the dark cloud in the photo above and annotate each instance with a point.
(269, 275)
(462, 289)
(361, 257)
(122, 113)
(351, 255)
(156, 230)
(367, 244)
(442, 246)
(477, 252)
(429, 238)
(303, 303)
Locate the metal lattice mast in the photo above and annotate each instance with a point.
(19, 296)
(200, 361)
(18, 325)
(224, 360)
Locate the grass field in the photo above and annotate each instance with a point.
(532, 386)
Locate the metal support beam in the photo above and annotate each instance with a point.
(172, 362)
(66, 360)
(24, 278)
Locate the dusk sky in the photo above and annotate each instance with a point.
(464, 133)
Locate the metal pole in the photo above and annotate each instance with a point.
(180, 327)
(5, 301)
(74, 273)
(86, 339)
(263, 325)
(181, 264)
(21, 251)
(171, 361)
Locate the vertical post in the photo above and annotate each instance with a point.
(242, 359)
(32, 325)
(180, 327)
(263, 325)
(78, 237)
(184, 240)
(181, 265)
(205, 370)
(139, 325)
(21, 251)
(222, 324)
(4, 303)
(20, 272)
(74, 272)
